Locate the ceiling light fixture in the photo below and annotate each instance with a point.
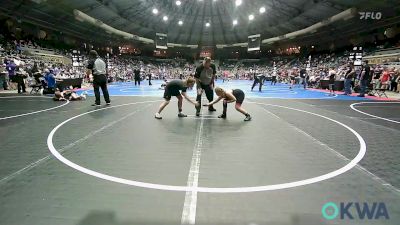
(262, 10)
(180, 22)
(178, 3)
(238, 2)
(165, 18)
(251, 17)
(235, 22)
(155, 11)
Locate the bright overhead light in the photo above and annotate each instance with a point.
(207, 24)
(178, 2)
(262, 10)
(165, 18)
(235, 22)
(180, 22)
(251, 17)
(155, 11)
(238, 2)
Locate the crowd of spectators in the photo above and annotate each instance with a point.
(19, 69)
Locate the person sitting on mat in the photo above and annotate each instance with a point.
(68, 95)
(229, 96)
(174, 88)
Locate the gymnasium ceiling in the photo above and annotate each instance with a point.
(137, 17)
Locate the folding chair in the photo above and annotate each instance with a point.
(35, 86)
(381, 92)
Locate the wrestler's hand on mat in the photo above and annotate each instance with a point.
(208, 104)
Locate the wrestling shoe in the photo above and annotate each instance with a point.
(211, 109)
(158, 116)
(181, 115)
(222, 116)
(248, 118)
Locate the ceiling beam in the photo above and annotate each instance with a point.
(200, 42)
(221, 22)
(193, 26)
(213, 24)
(186, 16)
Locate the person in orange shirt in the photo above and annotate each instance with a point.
(384, 79)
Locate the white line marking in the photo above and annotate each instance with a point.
(359, 119)
(352, 106)
(201, 116)
(190, 204)
(25, 96)
(66, 147)
(361, 168)
(378, 106)
(298, 183)
(35, 112)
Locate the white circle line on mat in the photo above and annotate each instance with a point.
(347, 167)
(352, 106)
(31, 113)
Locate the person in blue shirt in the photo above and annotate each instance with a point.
(12, 68)
(50, 79)
(50, 82)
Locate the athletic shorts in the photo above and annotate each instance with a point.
(239, 95)
(169, 93)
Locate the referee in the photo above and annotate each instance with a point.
(205, 76)
(97, 67)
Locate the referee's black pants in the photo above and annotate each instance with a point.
(100, 81)
(257, 81)
(209, 93)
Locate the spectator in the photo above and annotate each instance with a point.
(384, 79)
(332, 78)
(394, 78)
(303, 78)
(3, 77)
(50, 82)
(364, 78)
(348, 78)
(398, 81)
(12, 69)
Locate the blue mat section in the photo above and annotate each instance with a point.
(279, 91)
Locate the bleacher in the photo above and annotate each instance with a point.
(37, 50)
(384, 56)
